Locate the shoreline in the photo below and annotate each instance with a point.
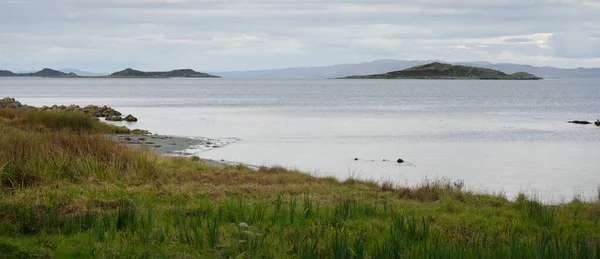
(166, 145)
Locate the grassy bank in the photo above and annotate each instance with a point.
(68, 192)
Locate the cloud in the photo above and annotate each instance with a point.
(106, 35)
(574, 44)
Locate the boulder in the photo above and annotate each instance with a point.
(130, 118)
(10, 103)
(140, 132)
(580, 122)
(400, 161)
(597, 123)
(114, 118)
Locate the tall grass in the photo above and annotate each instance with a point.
(210, 234)
(66, 191)
(45, 146)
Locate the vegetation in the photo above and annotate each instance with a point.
(438, 70)
(46, 72)
(65, 191)
(174, 73)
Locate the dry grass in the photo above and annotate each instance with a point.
(68, 192)
(41, 147)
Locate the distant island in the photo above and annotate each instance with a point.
(174, 73)
(46, 72)
(437, 70)
(127, 73)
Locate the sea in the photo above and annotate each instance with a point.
(503, 137)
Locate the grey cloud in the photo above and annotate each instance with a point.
(518, 40)
(251, 34)
(574, 44)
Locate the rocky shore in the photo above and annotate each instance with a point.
(106, 112)
(171, 145)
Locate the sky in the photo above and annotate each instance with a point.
(226, 35)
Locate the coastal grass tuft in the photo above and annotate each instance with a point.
(69, 192)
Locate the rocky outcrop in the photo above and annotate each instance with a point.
(94, 110)
(10, 103)
(130, 118)
(580, 122)
(108, 113)
(114, 118)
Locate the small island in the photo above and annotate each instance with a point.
(127, 73)
(46, 72)
(439, 70)
(173, 73)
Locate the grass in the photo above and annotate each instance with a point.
(67, 192)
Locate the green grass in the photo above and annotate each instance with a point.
(68, 192)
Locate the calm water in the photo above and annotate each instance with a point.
(504, 136)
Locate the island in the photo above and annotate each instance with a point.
(439, 70)
(173, 73)
(46, 72)
(127, 73)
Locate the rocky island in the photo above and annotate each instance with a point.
(127, 73)
(46, 72)
(439, 70)
(132, 73)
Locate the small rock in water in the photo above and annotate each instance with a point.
(356, 159)
(130, 118)
(158, 146)
(400, 161)
(597, 123)
(580, 122)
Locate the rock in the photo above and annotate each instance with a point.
(158, 146)
(400, 161)
(10, 103)
(130, 118)
(142, 139)
(114, 118)
(140, 132)
(356, 159)
(597, 123)
(127, 138)
(580, 122)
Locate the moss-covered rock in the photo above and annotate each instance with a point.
(140, 132)
(114, 118)
(130, 118)
(10, 103)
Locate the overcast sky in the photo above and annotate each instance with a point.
(109, 35)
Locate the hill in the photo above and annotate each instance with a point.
(174, 73)
(386, 65)
(437, 70)
(7, 73)
(46, 72)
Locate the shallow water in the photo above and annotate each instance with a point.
(501, 136)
